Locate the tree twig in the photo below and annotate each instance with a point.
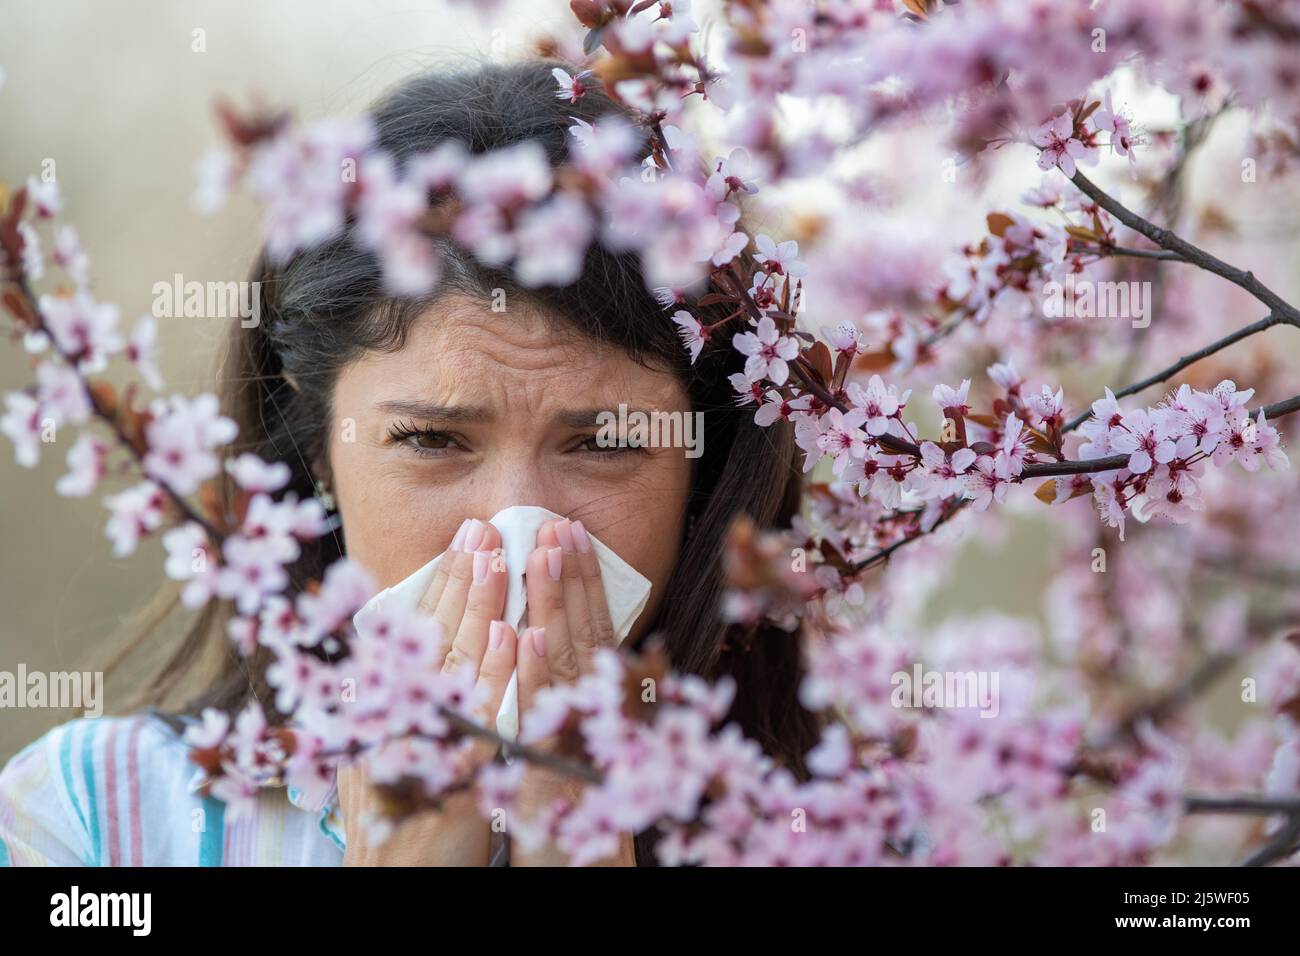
(1164, 374)
(1190, 253)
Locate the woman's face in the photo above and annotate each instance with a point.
(481, 410)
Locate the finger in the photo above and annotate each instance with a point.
(450, 608)
(602, 628)
(534, 672)
(484, 603)
(543, 578)
(577, 614)
(429, 599)
(493, 677)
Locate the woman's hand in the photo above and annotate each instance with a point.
(466, 597)
(569, 621)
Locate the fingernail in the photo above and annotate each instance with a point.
(496, 634)
(564, 532)
(481, 559)
(555, 562)
(474, 536)
(459, 540)
(580, 538)
(539, 641)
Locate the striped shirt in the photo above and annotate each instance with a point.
(121, 791)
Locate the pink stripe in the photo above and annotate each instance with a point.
(133, 786)
(110, 786)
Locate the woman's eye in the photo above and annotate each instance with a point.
(423, 440)
(593, 445)
(431, 440)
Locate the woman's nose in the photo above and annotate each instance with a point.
(515, 483)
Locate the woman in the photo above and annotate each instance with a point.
(422, 418)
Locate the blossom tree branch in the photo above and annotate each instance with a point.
(1174, 243)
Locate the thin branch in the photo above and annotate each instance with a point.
(1166, 239)
(110, 419)
(1162, 255)
(1164, 374)
(1284, 843)
(510, 748)
(1244, 803)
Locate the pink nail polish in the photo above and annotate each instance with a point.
(459, 540)
(580, 538)
(496, 634)
(564, 532)
(539, 641)
(474, 536)
(555, 562)
(481, 562)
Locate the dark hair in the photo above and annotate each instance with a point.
(326, 306)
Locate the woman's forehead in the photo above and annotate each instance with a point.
(460, 354)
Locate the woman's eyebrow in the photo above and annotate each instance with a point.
(593, 417)
(430, 411)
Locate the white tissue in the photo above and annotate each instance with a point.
(626, 590)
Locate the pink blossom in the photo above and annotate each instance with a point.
(768, 352)
(1005, 376)
(779, 259)
(21, 424)
(877, 402)
(571, 87)
(1058, 144)
(1013, 452)
(1046, 410)
(142, 351)
(953, 399)
(183, 437)
(303, 178)
(842, 436)
(845, 338)
(70, 256)
(252, 570)
(253, 474)
(987, 483)
(61, 394)
(1121, 135)
(85, 467)
(552, 242)
(190, 558)
(692, 333)
(84, 330)
(941, 474)
(44, 196)
(1146, 438)
(133, 513)
(732, 175)
(604, 147)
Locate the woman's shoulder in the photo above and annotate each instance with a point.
(121, 791)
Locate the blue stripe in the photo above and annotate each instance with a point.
(65, 764)
(4, 853)
(88, 771)
(213, 837)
